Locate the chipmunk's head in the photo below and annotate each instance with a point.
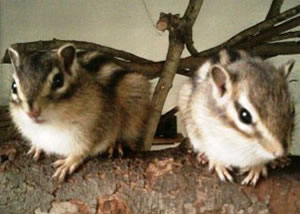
(251, 97)
(41, 78)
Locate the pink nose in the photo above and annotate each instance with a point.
(34, 114)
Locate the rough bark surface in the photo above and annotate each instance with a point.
(169, 181)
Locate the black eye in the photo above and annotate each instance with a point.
(58, 81)
(14, 87)
(245, 116)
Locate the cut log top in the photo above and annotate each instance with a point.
(169, 181)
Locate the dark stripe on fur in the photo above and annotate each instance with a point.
(114, 80)
(233, 55)
(215, 59)
(96, 63)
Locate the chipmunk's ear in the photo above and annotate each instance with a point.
(14, 57)
(67, 55)
(287, 67)
(221, 80)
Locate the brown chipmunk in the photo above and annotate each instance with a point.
(238, 112)
(62, 109)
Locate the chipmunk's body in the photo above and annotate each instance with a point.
(62, 109)
(239, 113)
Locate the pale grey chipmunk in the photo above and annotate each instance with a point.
(238, 112)
(74, 109)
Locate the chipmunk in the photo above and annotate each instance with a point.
(62, 109)
(238, 112)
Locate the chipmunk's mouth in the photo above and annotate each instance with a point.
(36, 117)
(38, 120)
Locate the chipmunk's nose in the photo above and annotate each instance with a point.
(34, 113)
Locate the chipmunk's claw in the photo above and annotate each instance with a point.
(35, 153)
(254, 173)
(221, 170)
(202, 158)
(65, 167)
(111, 150)
(280, 162)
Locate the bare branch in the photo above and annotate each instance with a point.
(267, 35)
(289, 35)
(189, 64)
(176, 29)
(164, 84)
(189, 42)
(150, 69)
(275, 8)
(254, 30)
(162, 23)
(192, 11)
(55, 43)
(274, 49)
(190, 17)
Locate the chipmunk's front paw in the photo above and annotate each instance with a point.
(280, 162)
(66, 166)
(112, 148)
(221, 170)
(35, 153)
(202, 158)
(254, 173)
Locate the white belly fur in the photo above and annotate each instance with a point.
(49, 137)
(228, 147)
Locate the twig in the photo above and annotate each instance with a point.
(176, 28)
(275, 31)
(274, 9)
(188, 64)
(164, 84)
(191, 11)
(289, 35)
(189, 43)
(274, 49)
(254, 30)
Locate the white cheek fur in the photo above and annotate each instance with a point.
(221, 143)
(50, 138)
(202, 72)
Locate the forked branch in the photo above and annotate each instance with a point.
(177, 29)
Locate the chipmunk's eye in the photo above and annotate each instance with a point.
(245, 116)
(58, 81)
(14, 87)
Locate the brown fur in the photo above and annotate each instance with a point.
(99, 107)
(268, 89)
(213, 104)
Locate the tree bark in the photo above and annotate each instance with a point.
(275, 8)
(169, 181)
